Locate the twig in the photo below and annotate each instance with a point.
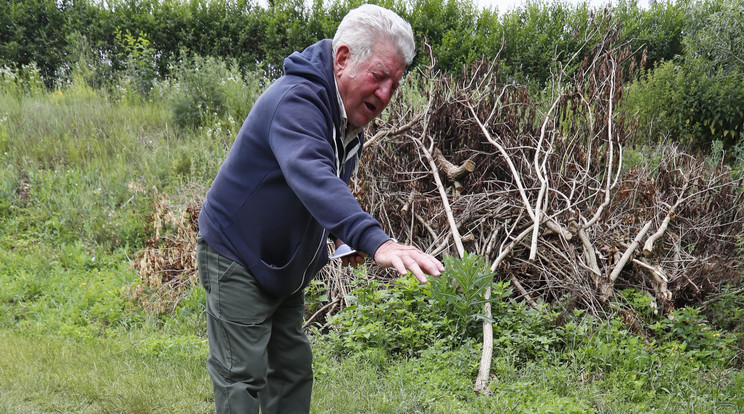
(331, 305)
(539, 167)
(648, 247)
(523, 291)
(591, 256)
(397, 131)
(659, 278)
(607, 289)
(610, 156)
(509, 162)
(505, 251)
(408, 203)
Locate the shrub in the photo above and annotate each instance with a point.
(726, 311)
(140, 66)
(197, 94)
(683, 331)
(687, 329)
(689, 101)
(697, 97)
(207, 90)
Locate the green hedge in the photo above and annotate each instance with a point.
(47, 32)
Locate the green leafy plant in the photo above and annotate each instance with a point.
(696, 97)
(460, 290)
(397, 318)
(198, 93)
(140, 72)
(211, 92)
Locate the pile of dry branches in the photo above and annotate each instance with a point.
(167, 265)
(544, 192)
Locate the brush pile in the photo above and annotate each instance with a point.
(547, 193)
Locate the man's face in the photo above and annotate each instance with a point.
(366, 87)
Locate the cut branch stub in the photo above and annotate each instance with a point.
(455, 173)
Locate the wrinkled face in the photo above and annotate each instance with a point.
(366, 87)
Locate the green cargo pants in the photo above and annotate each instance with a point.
(259, 355)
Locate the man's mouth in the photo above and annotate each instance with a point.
(370, 107)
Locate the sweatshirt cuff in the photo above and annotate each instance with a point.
(372, 242)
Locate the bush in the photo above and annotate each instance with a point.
(397, 318)
(726, 312)
(206, 91)
(696, 98)
(689, 101)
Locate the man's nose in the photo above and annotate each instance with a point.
(385, 91)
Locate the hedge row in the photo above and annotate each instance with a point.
(49, 32)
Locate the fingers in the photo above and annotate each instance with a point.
(397, 263)
(432, 266)
(416, 270)
(356, 260)
(404, 258)
(353, 260)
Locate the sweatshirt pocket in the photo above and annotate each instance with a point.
(308, 258)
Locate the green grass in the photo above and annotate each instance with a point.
(79, 171)
(47, 373)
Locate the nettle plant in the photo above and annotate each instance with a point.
(460, 291)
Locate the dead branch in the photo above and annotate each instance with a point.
(660, 281)
(541, 176)
(648, 247)
(327, 308)
(455, 173)
(409, 202)
(443, 195)
(484, 371)
(607, 288)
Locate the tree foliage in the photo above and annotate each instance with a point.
(697, 97)
(689, 84)
(534, 36)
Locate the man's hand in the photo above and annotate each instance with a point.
(403, 258)
(352, 260)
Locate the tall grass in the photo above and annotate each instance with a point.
(79, 171)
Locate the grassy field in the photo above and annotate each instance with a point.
(80, 171)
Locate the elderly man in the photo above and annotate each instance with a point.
(280, 194)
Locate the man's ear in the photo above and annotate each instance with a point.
(342, 59)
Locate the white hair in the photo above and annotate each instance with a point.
(369, 24)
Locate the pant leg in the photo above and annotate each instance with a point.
(290, 374)
(239, 324)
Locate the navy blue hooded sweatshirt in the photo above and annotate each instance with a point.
(284, 184)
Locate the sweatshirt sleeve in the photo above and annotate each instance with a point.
(300, 137)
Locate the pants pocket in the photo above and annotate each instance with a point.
(202, 260)
(240, 299)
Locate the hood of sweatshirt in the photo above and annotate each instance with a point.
(315, 64)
